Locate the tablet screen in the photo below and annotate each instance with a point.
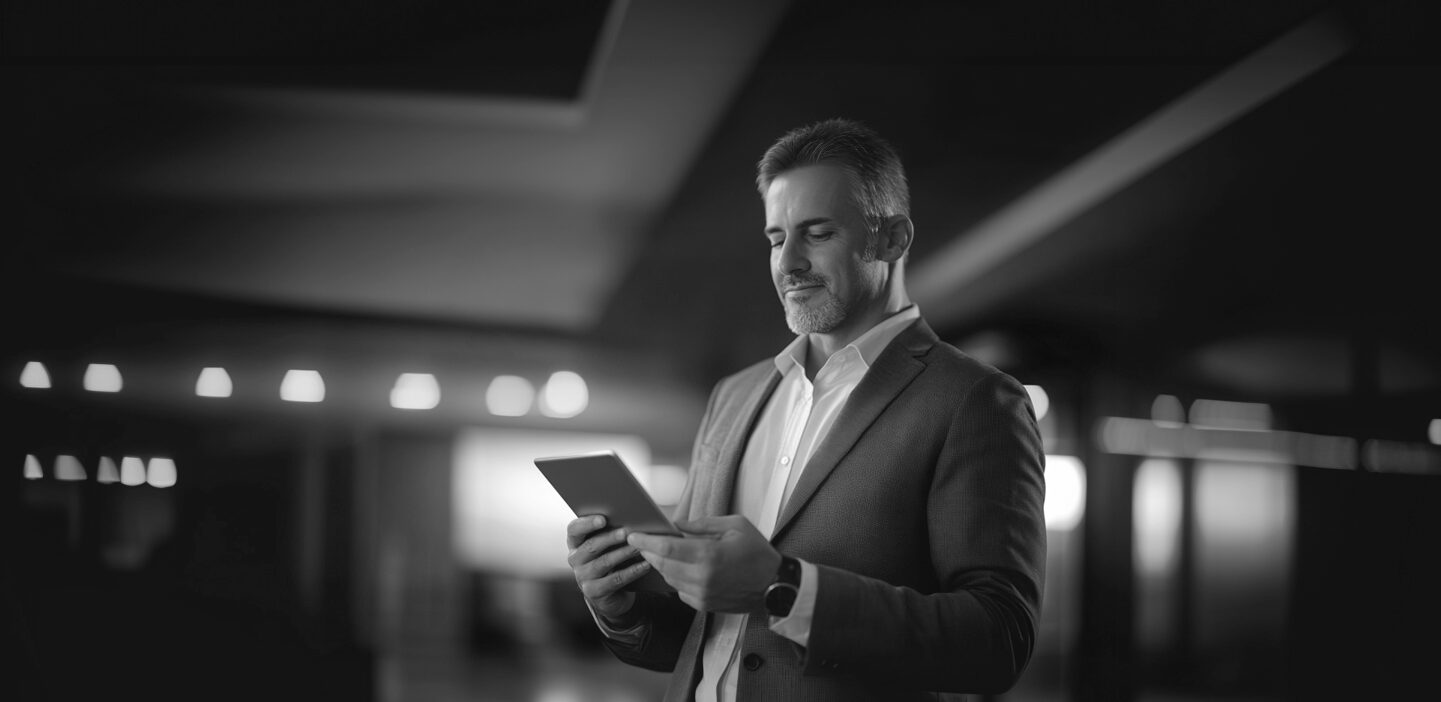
(600, 483)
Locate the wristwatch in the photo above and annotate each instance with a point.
(781, 594)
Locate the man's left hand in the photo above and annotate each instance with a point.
(724, 565)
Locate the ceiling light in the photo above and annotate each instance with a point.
(1166, 410)
(1135, 153)
(1156, 513)
(1039, 400)
(68, 468)
(35, 375)
(564, 395)
(1065, 500)
(108, 472)
(213, 382)
(302, 386)
(1221, 414)
(32, 467)
(161, 472)
(1434, 432)
(132, 471)
(509, 396)
(102, 377)
(666, 483)
(416, 391)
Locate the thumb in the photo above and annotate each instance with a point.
(711, 526)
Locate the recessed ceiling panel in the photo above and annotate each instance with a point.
(537, 48)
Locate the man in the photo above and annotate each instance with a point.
(863, 513)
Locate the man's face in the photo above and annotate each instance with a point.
(823, 259)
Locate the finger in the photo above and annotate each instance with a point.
(579, 528)
(712, 526)
(611, 560)
(663, 546)
(609, 585)
(612, 582)
(657, 562)
(677, 573)
(675, 548)
(668, 546)
(596, 545)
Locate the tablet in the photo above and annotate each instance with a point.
(600, 483)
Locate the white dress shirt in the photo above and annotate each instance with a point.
(794, 422)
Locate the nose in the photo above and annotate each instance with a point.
(792, 258)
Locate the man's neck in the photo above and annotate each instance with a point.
(822, 346)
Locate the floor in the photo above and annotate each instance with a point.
(568, 674)
(542, 674)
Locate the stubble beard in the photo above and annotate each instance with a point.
(830, 313)
(815, 319)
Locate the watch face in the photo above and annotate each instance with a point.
(780, 597)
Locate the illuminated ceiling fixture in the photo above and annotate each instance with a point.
(102, 377)
(1144, 148)
(32, 467)
(415, 391)
(68, 468)
(509, 396)
(1166, 410)
(1039, 400)
(666, 483)
(564, 395)
(1433, 432)
(35, 375)
(213, 382)
(302, 386)
(1220, 414)
(1157, 494)
(161, 472)
(108, 472)
(132, 471)
(1065, 501)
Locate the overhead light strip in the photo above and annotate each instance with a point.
(1150, 143)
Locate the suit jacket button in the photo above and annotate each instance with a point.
(753, 661)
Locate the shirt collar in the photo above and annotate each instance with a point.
(868, 345)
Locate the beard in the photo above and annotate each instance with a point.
(818, 317)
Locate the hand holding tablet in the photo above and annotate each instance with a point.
(600, 483)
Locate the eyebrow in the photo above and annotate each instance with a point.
(807, 224)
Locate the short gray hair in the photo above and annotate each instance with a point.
(874, 165)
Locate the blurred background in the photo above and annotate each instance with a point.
(294, 291)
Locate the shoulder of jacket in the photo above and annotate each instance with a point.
(746, 377)
(961, 369)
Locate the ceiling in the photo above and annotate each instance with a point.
(581, 172)
(400, 191)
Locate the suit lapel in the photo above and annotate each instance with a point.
(718, 498)
(894, 369)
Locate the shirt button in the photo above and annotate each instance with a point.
(785, 460)
(753, 662)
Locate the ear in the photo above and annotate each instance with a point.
(896, 234)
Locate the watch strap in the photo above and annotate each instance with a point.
(789, 572)
(780, 596)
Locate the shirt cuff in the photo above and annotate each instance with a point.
(797, 625)
(632, 635)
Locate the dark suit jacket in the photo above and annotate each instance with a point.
(922, 510)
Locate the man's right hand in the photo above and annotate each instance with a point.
(594, 557)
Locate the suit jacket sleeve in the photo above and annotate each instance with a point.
(986, 530)
(666, 620)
